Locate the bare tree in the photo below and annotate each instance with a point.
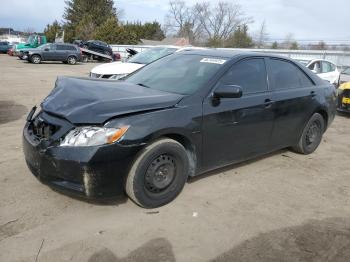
(221, 21)
(204, 21)
(29, 31)
(288, 41)
(262, 35)
(320, 46)
(181, 21)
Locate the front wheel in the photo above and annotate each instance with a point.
(158, 174)
(36, 59)
(312, 134)
(72, 60)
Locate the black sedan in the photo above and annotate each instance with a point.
(180, 116)
(97, 46)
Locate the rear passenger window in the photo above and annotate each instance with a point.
(71, 48)
(61, 47)
(249, 74)
(285, 75)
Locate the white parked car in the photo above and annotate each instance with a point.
(117, 70)
(324, 69)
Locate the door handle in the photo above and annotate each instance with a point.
(312, 93)
(268, 102)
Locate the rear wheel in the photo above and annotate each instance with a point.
(36, 59)
(311, 136)
(158, 174)
(72, 60)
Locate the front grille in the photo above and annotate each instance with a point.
(105, 76)
(42, 129)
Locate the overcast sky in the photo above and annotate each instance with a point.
(305, 19)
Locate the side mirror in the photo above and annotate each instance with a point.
(228, 91)
(46, 49)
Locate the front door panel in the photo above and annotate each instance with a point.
(236, 129)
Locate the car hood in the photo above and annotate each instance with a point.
(23, 46)
(116, 68)
(28, 49)
(86, 101)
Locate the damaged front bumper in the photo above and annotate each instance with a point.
(90, 172)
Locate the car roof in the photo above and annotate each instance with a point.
(62, 44)
(319, 60)
(229, 54)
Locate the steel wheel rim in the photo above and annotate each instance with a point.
(160, 174)
(313, 133)
(36, 59)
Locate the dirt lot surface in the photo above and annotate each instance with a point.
(282, 207)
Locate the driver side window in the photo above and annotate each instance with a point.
(249, 74)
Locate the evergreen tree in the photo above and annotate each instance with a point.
(240, 38)
(86, 28)
(51, 30)
(92, 12)
(112, 32)
(274, 45)
(149, 31)
(294, 46)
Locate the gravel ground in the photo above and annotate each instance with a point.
(281, 207)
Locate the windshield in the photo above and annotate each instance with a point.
(181, 74)
(151, 55)
(346, 71)
(30, 39)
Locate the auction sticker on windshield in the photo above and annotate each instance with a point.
(213, 61)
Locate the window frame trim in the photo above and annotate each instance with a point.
(273, 89)
(242, 60)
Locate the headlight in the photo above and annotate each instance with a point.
(116, 77)
(93, 136)
(93, 75)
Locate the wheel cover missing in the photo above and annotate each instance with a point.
(160, 173)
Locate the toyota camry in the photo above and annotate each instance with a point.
(179, 117)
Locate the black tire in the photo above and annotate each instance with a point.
(72, 60)
(35, 59)
(312, 134)
(158, 174)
